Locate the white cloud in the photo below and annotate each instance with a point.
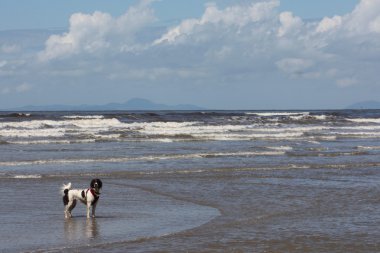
(374, 26)
(289, 24)
(235, 16)
(24, 87)
(9, 48)
(361, 18)
(250, 43)
(329, 24)
(90, 33)
(20, 88)
(294, 65)
(346, 82)
(235, 39)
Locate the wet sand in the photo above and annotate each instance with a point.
(299, 210)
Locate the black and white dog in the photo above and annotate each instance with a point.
(89, 197)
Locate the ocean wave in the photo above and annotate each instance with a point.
(357, 134)
(35, 133)
(322, 153)
(203, 126)
(16, 115)
(87, 123)
(142, 158)
(179, 131)
(215, 170)
(51, 141)
(365, 120)
(368, 147)
(281, 148)
(3, 142)
(35, 176)
(272, 114)
(291, 166)
(84, 117)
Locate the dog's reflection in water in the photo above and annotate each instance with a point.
(77, 229)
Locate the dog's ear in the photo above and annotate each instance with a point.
(92, 184)
(100, 184)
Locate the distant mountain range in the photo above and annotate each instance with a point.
(132, 104)
(140, 104)
(365, 105)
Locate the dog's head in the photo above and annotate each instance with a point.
(96, 184)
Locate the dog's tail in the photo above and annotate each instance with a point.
(65, 188)
(65, 192)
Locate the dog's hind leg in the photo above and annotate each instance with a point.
(69, 207)
(66, 211)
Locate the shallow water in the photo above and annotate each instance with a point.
(193, 181)
(33, 217)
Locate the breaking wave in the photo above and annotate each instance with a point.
(169, 127)
(144, 158)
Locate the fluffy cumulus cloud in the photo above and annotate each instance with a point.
(251, 33)
(249, 42)
(258, 34)
(234, 17)
(289, 23)
(329, 24)
(364, 18)
(91, 33)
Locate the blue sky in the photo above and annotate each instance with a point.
(263, 54)
(37, 14)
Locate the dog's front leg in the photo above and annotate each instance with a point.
(93, 210)
(88, 209)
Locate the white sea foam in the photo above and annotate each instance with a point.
(361, 128)
(221, 132)
(77, 128)
(59, 128)
(84, 117)
(365, 120)
(224, 170)
(156, 131)
(314, 142)
(51, 141)
(368, 147)
(143, 158)
(360, 134)
(281, 148)
(320, 117)
(324, 138)
(271, 114)
(87, 123)
(33, 133)
(27, 176)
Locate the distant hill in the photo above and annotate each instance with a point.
(365, 105)
(132, 104)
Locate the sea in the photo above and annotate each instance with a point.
(192, 181)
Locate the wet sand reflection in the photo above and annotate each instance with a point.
(81, 228)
